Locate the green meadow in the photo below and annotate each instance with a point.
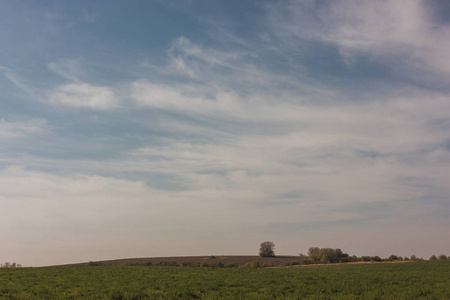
(412, 280)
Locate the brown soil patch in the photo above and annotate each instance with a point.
(224, 260)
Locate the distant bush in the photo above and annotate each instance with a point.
(433, 257)
(304, 259)
(162, 263)
(442, 256)
(149, 263)
(256, 265)
(187, 264)
(377, 258)
(413, 257)
(212, 257)
(94, 264)
(220, 264)
(204, 265)
(370, 258)
(10, 265)
(327, 255)
(393, 257)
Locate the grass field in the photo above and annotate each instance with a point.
(415, 280)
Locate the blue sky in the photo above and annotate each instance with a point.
(163, 128)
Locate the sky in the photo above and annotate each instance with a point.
(176, 128)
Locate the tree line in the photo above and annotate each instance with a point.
(329, 255)
(10, 265)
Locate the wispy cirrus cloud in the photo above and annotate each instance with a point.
(69, 69)
(390, 32)
(17, 81)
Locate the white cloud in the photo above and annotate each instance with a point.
(22, 128)
(185, 99)
(84, 95)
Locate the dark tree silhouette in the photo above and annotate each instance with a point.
(267, 249)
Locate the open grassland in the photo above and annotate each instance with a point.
(416, 280)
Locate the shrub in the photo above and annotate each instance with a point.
(442, 256)
(433, 257)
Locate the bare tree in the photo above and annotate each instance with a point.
(267, 249)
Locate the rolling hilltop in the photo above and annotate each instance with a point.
(213, 260)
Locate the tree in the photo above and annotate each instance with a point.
(433, 257)
(442, 256)
(413, 257)
(267, 249)
(393, 257)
